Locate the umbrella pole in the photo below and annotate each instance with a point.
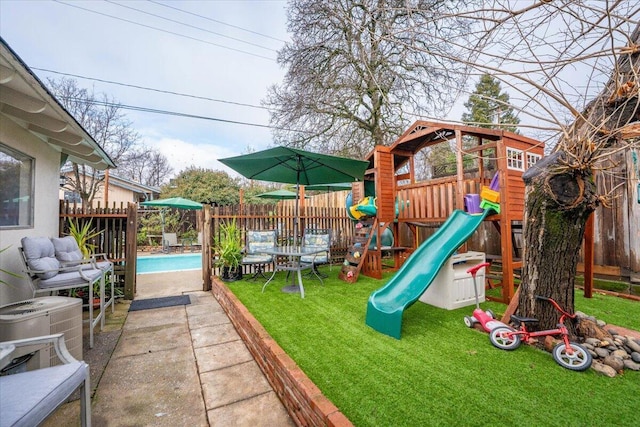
(297, 217)
(164, 250)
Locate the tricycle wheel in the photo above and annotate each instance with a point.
(504, 338)
(468, 321)
(580, 360)
(490, 314)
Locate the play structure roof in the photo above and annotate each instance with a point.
(422, 134)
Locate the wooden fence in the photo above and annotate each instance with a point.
(279, 217)
(616, 233)
(117, 227)
(617, 227)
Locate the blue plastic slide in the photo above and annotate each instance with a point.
(386, 305)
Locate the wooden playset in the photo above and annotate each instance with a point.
(401, 201)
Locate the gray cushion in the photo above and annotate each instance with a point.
(71, 279)
(320, 258)
(258, 241)
(67, 250)
(316, 241)
(257, 259)
(40, 255)
(26, 399)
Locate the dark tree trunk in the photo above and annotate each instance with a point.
(557, 208)
(561, 191)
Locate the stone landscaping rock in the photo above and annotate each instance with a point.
(632, 344)
(594, 342)
(549, 343)
(603, 369)
(622, 354)
(615, 362)
(611, 352)
(630, 364)
(589, 328)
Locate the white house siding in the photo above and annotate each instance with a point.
(45, 217)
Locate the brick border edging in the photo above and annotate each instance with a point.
(303, 400)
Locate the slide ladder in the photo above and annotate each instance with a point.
(357, 252)
(387, 304)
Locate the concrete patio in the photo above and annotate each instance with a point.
(175, 366)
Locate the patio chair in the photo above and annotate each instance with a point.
(69, 254)
(46, 275)
(171, 242)
(28, 398)
(198, 244)
(320, 239)
(258, 241)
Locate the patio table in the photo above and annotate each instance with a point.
(292, 264)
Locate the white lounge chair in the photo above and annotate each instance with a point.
(28, 398)
(47, 275)
(171, 242)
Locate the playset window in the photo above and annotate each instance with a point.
(515, 159)
(532, 159)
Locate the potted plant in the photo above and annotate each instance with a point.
(229, 250)
(8, 273)
(83, 236)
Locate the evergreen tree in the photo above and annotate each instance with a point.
(488, 106)
(204, 186)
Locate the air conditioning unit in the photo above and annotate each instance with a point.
(43, 316)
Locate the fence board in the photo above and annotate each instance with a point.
(112, 240)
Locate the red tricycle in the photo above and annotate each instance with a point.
(567, 354)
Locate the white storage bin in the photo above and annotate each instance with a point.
(453, 287)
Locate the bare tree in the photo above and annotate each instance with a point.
(561, 189)
(159, 169)
(573, 67)
(145, 165)
(360, 72)
(357, 70)
(102, 118)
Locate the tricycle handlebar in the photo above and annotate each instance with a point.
(473, 270)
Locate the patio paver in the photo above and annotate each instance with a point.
(180, 366)
(222, 356)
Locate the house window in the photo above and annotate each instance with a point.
(16, 188)
(515, 159)
(532, 159)
(72, 197)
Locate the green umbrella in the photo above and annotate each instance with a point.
(340, 186)
(278, 194)
(293, 166)
(173, 202)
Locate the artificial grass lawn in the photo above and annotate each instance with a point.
(440, 372)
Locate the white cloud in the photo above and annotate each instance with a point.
(183, 155)
(71, 40)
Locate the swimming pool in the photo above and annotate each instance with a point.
(165, 263)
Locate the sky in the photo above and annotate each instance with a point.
(223, 50)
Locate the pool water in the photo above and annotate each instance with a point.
(165, 263)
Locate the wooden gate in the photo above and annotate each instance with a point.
(117, 238)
